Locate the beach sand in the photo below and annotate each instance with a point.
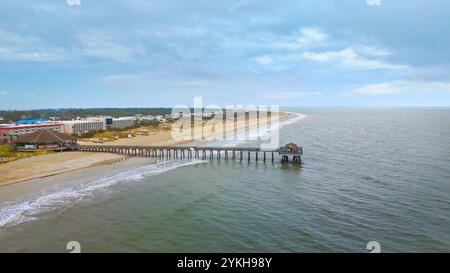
(51, 164)
(164, 137)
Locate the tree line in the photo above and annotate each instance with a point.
(72, 113)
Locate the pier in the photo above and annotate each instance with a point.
(197, 152)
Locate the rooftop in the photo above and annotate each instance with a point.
(45, 137)
(32, 121)
(21, 126)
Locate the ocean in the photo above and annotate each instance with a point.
(368, 174)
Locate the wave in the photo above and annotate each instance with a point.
(13, 213)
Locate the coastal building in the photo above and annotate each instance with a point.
(14, 131)
(160, 118)
(123, 122)
(45, 140)
(97, 124)
(147, 118)
(83, 126)
(4, 137)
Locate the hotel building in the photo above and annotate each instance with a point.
(120, 123)
(13, 131)
(83, 126)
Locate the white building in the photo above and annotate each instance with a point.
(123, 122)
(97, 124)
(83, 126)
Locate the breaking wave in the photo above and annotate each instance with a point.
(13, 213)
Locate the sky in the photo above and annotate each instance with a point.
(148, 53)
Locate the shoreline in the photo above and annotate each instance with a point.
(38, 167)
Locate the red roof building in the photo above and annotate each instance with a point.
(14, 131)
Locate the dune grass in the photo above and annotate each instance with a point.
(111, 135)
(8, 153)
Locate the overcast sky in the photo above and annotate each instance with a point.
(146, 53)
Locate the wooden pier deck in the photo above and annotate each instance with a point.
(191, 152)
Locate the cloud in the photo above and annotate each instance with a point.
(160, 80)
(399, 87)
(311, 37)
(3, 93)
(238, 5)
(328, 56)
(73, 2)
(290, 95)
(349, 58)
(104, 45)
(96, 44)
(314, 45)
(16, 47)
(373, 51)
(307, 38)
(264, 60)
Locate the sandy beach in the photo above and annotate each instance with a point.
(53, 164)
(164, 137)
